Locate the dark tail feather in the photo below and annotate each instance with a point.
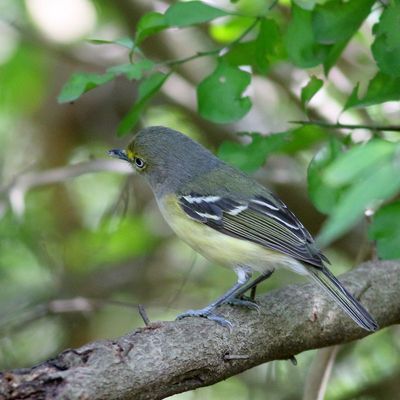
(343, 298)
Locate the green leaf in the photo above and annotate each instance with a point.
(132, 71)
(81, 83)
(303, 138)
(242, 53)
(379, 185)
(320, 35)
(301, 46)
(219, 96)
(381, 88)
(268, 45)
(148, 25)
(385, 230)
(323, 195)
(334, 53)
(336, 20)
(191, 13)
(386, 47)
(260, 52)
(124, 42)
(358, 162)
(147, 88)
(308, 91)
(252, 156)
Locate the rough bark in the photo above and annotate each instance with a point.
(165, 358)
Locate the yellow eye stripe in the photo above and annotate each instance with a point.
(130, 154)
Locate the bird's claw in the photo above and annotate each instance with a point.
(247, 303)
(204, 313)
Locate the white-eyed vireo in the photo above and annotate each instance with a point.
(229, 218)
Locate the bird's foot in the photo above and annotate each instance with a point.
(206, 313)
(244, 301)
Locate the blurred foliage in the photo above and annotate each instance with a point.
(210, 70)
(385, 230)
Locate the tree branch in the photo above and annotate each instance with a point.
(392, 128)
(165, 358)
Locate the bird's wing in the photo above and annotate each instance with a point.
(266, 221)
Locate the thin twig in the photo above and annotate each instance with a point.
(393, 128)
(143, 314)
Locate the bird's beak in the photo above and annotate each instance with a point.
(118, 153)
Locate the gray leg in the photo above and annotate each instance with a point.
(244, 276)
(238, 298)
(253, 285)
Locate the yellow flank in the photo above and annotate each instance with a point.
(220, 248)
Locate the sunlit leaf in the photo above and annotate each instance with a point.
(147, 88)
(385, 230)
(191, 12)
(231, 29)
(81, 83)
(220, 95)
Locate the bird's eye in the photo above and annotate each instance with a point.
(139, 162)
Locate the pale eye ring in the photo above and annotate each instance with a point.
(139, 162)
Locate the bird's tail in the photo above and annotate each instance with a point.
(343, 298)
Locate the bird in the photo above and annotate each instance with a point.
(231, 219)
